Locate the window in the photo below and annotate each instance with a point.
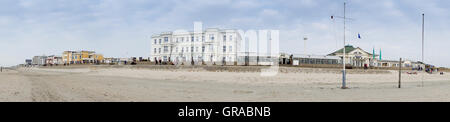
(166, 49)
(224, 48)
(159, 50)
(177, 40)
(231, 37)
(176, 49)
(182, 49)
(203, 48)
(166, 39)
(164, 58)
(224, 38)
(154, 51)
(192, 49)
(182, 39)
(155, 41)
(192, 39)
(159, 41)
(196, 38)
(203, 38)
(211, 37)
(231, 48)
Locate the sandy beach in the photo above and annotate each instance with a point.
(124, 84)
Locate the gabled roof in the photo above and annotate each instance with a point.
(348, 49)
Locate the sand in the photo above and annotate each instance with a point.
(123, 84)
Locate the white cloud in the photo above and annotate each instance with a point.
(391, 9)
(247, 4)
(308, 2)
(320, 26)
(269, 12)
(26, 3)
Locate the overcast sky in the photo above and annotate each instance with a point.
(122, 28)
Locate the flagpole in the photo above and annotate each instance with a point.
(423, 35)
(373, 51)
(343, 57)
(423, 42)
(304, 44)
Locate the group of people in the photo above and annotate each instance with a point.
(431, 70)
(160, 62)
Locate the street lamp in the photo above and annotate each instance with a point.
(304, 45)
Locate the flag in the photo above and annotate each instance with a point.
(380, 54)
(359, 36)
(373, 53)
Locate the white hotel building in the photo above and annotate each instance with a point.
(209, 46)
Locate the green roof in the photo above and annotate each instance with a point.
(348, 49)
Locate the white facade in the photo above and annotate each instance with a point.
(392, 63)
(355, 56)
(39, 60)
(54, 60)
(210, 46)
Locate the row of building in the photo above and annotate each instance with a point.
(220, 47)
(355, 57)
(68, 57)
(223, 47)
